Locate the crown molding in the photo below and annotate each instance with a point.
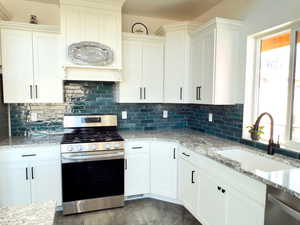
(29, 27)
(180, 26)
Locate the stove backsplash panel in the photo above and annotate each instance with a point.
(94, 98)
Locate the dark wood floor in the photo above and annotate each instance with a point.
(135, 212)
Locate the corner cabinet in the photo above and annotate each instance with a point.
(31, 64)
(27, 173)
(143, 69)
(216, 67)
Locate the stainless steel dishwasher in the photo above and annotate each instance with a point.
(281, 208)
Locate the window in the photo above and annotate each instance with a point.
(276, 85)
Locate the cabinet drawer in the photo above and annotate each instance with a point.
(137, 147)
(51, 152)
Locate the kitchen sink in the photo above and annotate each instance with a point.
(251, 161)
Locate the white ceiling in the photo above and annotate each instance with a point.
(168, 9)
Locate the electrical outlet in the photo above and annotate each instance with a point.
(124, 115)
(33, 116)
(165, 114)
(210, 117)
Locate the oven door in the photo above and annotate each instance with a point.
(92, 181)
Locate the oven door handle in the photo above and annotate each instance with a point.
(67, 158)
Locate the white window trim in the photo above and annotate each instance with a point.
(252, 81)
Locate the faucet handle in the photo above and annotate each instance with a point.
(277, 145)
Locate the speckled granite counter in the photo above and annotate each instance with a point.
(33, 214)
(286, 180)
(17, 142)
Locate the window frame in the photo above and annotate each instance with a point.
(253, 84)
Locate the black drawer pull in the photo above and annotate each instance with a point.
(174, 153)
(137, 147)
(219, 188)
(185, 154)
(223, 191)
(30, 155)
(193, 176)
(26, 173)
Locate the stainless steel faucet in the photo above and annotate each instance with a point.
(271, 145)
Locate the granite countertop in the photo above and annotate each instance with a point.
(16, 141)
(200, 143)
(33, 214)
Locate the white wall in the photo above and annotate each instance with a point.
(21, 10)
(152, 23)
(257, 15)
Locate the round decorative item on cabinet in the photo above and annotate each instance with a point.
(139, 28)
(90, 53)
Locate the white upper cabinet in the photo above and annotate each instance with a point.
(216, 62)
(17, 66)
(143, 70)
(163, 169)
(31, 64)
(177, 58)
(99, 21)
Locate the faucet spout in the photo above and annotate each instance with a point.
(271, 140)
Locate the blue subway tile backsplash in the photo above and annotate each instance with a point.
(99, 98)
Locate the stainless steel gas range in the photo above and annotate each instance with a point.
(92, 154)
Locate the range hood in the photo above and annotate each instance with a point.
(97, 21)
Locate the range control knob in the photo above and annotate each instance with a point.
(93, 147)
(117, 146)
(70, 148)
(107, 146)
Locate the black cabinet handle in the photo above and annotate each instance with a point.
(219, 188)
(136, 147)
(36, 91)
(181, 93)
(185, 154)
(197, 93)
(174, 153)
(223, 191)
(26, 173)
(193, 176)
(32, 174)
(31, 91)
(125, 164)
(31, 155)
(141, 93)
(200, 93)
(144, 93)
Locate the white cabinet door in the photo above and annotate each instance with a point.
(130, 88)
(242, 210)
(212, 201)
(175, 67)
(17, 66)
(48, 83)
(188, 185)
(153, 72)
(137, 168)
(207, 67)
(14, 183)
(196, 59)
(46, 181)
(163, 169)
(137, 174)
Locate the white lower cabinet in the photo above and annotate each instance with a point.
(212, 201)
(137, 168)
(163, 169)
(188, 184)
(29, 175)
